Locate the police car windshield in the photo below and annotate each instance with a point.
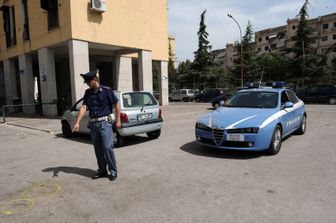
(138, 99)
(255, 99)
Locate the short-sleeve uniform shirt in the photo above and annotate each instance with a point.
(100, 103)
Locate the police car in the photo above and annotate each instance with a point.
(140, 113)
(253, 119)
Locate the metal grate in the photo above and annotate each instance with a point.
(218, 135)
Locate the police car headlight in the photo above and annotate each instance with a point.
(202, 126)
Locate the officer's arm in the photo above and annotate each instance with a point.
(81, 113)
(118, 111)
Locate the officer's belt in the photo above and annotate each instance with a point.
(99, 119)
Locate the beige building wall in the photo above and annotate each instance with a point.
(40, 36)
(127, 23)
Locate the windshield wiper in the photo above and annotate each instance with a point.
(144, 106)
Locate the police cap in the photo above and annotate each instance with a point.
(89, 76)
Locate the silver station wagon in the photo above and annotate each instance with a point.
(140, 113)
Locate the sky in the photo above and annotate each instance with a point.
(184, 18)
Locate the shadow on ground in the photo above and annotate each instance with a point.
(200, 150)
(70, 170)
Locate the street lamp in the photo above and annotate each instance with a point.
(241, 51)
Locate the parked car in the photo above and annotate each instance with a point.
(140, 113)
(208, 94)
(254, 120)
(319, 94)
(215, 102)
(182, 95)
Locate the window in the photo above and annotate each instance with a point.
(138, 99)
(9, 25)
(25, 35)
(183, 91)
(325, 26)
(324, 38)
(293, 27)
(266, 48)
(292, 97)
(260, 39)
(51, 6)
(334, 36)
(259, 49)
(334, 24)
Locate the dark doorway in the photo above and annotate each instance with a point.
(105, 73)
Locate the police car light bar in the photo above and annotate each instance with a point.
(280, 84)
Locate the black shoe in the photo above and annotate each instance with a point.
(99, 175)
(113, 176)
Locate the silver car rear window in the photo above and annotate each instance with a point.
(138, 99)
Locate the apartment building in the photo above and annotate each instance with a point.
(278, 38)
(53, 41)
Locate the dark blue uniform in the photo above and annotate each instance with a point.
(100, 104)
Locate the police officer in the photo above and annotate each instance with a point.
(100, 100)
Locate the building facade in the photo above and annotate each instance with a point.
(226, 56)
(275, 39)
(279, 38)
(54, 41)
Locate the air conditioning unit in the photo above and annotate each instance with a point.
(98, 5)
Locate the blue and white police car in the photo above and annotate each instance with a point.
(253, 119)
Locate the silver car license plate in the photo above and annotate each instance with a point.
(144, 117)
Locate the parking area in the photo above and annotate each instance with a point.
(47, 178)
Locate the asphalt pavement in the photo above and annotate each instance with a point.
(47, 178)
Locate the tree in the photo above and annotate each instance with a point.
(304, 39)
(203, 57)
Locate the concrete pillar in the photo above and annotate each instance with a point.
(79, 64)
(27, 82)
(163, 83)
(123, 76)
(145, 71)
(10, 81)
(48, 81)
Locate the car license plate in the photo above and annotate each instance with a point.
(144, 117)
(235, 137)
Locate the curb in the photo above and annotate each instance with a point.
(29, 127)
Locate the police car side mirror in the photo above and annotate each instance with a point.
(221, 103)
(289, 104)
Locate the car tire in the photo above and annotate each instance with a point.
(216, 106)
(66, 130)
(276, 141)
(303, 126)
(332, 101)
(154, 135)
(197, 100)
(119, 139)
(185, 99)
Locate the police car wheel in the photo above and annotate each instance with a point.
(154, 135)
(276, 141)
(216, 105)
(66, 130)
(303, 126)
(332, 101)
